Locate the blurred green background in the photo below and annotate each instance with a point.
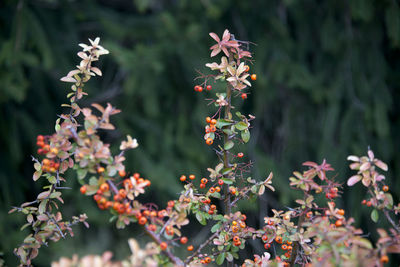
(328, 83)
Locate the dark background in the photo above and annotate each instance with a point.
(328, 86)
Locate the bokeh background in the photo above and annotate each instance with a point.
(328, 86)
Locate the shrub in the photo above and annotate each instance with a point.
(314, 232)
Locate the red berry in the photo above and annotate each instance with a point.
(244, 96)
(208, 87)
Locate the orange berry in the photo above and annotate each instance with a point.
(104, 187)
(278, 239)
(100, 169)
(264, 238)
(235, 229)
(122, 193)
(237, 243)
(208, 119)
(202, 186)
(289, 242)
(46, 161)
(212, 128)
(339, 223)
(243, 217)
(163, 245)
(182, 178)
(267, 245)
(220, 182)
(128, 183)
(244, 96)
(97, 198)
(309, 214)
(211, 212)
(203, 180)
(83, 189)
(253, 77)
(385, 188)
(171, 203)
(289, 247)
(146, 213)
(236, 238)
(190, 248)
(152, 227)
(209, 141)
(232, 190)
(122, 173)
(40, 137)
(242, 225)
(207, 259)
(192, 177)
(213, 207)
(213, 122)
(142, 220)
(240, 155)
(369, 203)
(384, 259)
(340, 212)
(211, 190)
(218, 189)
(284, 247)
(54, 150)
(184, 240)
(363, 202)
(246, 68)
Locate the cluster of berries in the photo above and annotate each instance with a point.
(199, 88)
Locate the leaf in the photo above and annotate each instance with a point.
(36, 175)
(201, 218)
(81, 173)
(374, 215)
(222, 122)
(42, 206)
(261, 190)
(241, 126)
(245, 135)
(215, 227)
(42, 217)
(226, 171)
(43, 195)
(229, 256)
(353, 180)
(37, 166)
(228, 145)
(220, 259)
(227, 181)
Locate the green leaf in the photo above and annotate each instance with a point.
(37, 166)
(226, 171)
(241, 126)
(228, 145)
(201, 218)
(227, 181)
(36, 175)
(222, 122)
(246, 135)
(52, 179)
(81, 173)
(215, 227)
(220, 259)
(374, 215)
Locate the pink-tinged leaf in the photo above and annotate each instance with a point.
(371, 155)
(353, 158)
(394, 249)
(353, 180)
(366, 182)
(42, 217)
(226, 36)
(225, 51)
(82, 55)
(98, 107)
(43, 195)
(215, 52)
(380, 177)
(96, 70)
(36, 175)
(310, 164)
(365, 166)
(355, 166)
(73, 72)
(68, 79)
(382, 165)
(214, 36)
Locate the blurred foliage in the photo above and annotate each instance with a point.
(328, 84)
